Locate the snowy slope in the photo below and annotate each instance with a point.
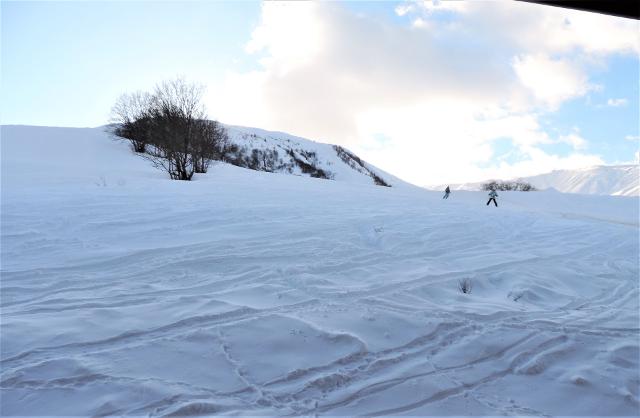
(323, 156)
(616, 180)
(92, 150)
(253, 293)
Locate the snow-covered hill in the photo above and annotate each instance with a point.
(284, 153)
(616, 180)
(91, 150)
(262, 294)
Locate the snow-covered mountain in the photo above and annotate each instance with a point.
(249, 293)
(616, 180)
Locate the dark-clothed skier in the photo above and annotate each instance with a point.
(446, 193)
(492, 196)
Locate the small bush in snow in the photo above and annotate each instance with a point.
(465, 285)
(515, 295)
(518, 186)
(102, 182)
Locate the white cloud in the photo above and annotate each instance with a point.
(290, 33)
(237, 100)
(434, 6)
(441, 90)
(349, 65)
(632, 137)
(453, 143)
(550, 81)
(575, 140)
(403, 9)
(537, 162)
(542, 29)
(617, 102)
(596, 33)
(419, 22)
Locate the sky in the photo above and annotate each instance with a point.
(432, 92)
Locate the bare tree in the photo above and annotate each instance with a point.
(131, 118)
(169, 128)
(211, 140)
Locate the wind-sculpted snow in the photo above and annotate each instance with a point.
(252, 293)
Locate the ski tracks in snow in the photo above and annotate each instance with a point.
(317, 308)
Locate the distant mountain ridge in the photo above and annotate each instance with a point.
(615, 180)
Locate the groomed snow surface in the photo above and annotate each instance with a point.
(252, 293)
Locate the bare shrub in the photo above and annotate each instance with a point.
(519, 186)
(131, 119)
(210, 145)
(465, 285)
(515, 295)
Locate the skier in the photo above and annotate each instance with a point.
(492, 196)
(446, 193)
